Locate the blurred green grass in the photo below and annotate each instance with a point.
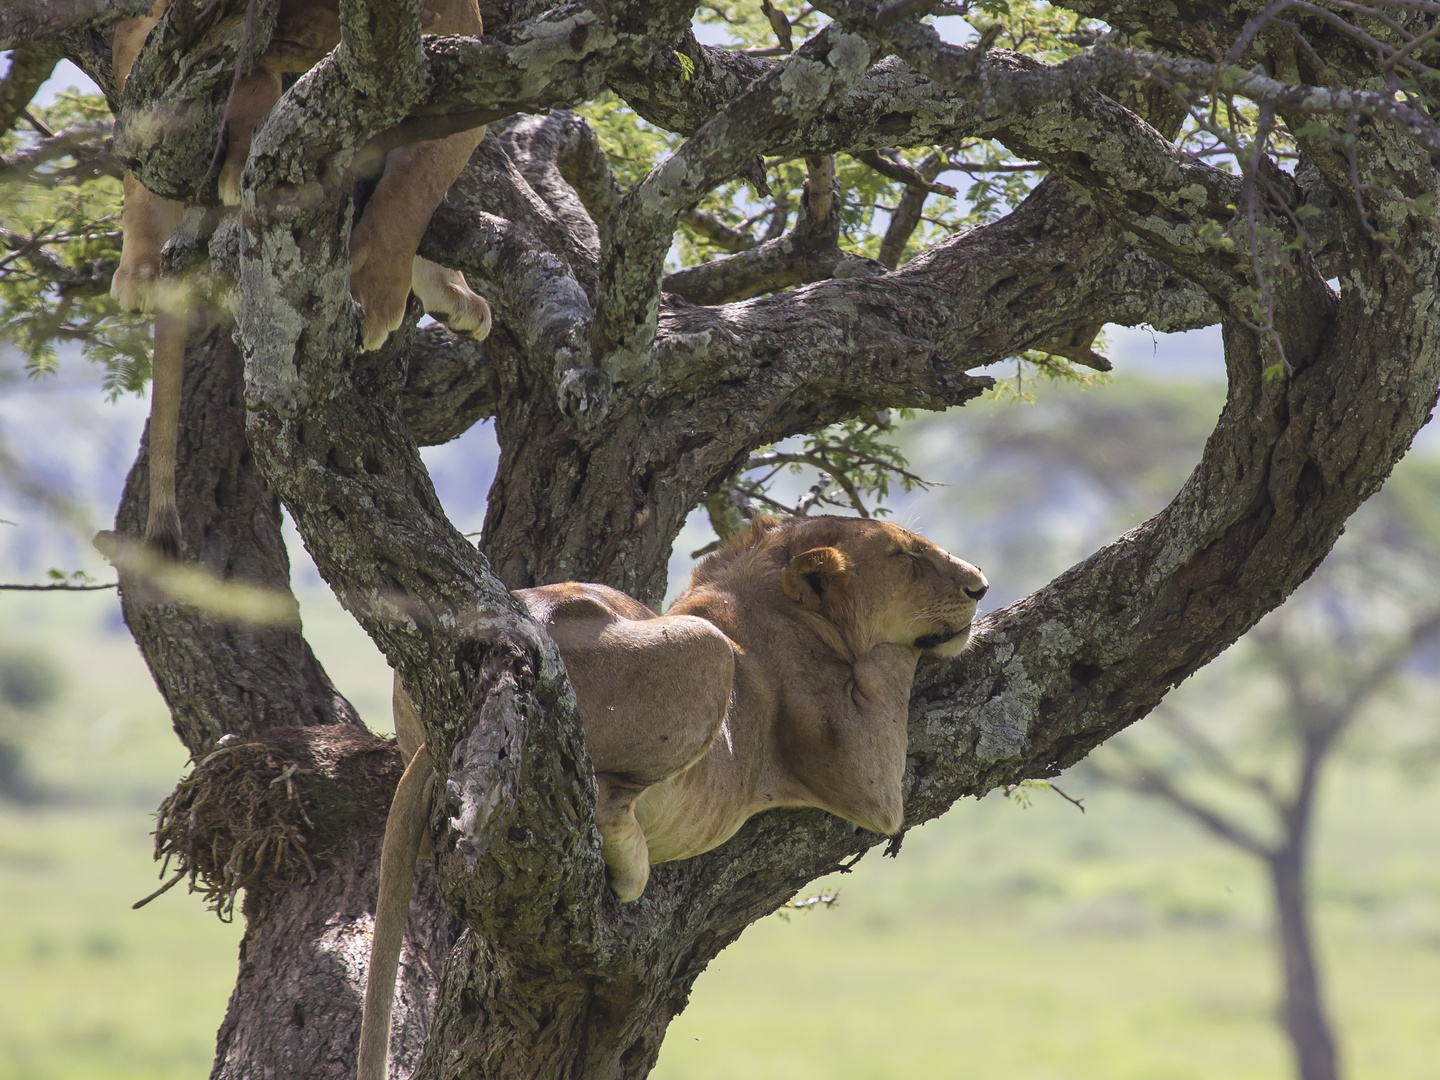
(1040, 944)
(89, 987)
(1031, 943)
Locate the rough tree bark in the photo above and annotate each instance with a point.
(617, 406)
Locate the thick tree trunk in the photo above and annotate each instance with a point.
(295, 1008)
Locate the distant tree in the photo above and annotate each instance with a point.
(1248, 768)
(28, 682)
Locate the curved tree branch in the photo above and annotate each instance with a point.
(536, 294)
(30, 65)
(561, 158)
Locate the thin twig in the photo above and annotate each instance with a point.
(161, 891)
(1079, 804)
(57, 588)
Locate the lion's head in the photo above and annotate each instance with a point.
(829, 616)
(870, 581)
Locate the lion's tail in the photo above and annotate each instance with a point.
(404, 831)
(162, 526)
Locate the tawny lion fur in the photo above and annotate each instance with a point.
(781, 677)
(384, 268)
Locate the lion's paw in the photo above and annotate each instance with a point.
(472, 318)
(448, 298)
(630, 882)
(229, 182)
(382, 298)
(136, 282)
(622, 845)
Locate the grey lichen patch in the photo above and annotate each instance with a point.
(849, 56)
(547, 43)
(1194, 194)
(1057, 643)
(484, 781)
(271, 324)
(802, 80)
(677, 349)
(1004, 720)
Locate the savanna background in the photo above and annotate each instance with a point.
(1019, 936)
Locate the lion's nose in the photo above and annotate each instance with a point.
(976, 594)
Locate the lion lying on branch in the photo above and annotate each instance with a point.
(781, 677)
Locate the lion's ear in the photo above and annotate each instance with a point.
(812, 574)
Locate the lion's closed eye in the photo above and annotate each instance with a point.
(912, 561)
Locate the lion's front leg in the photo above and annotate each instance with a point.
(622, 841)
(848, 749)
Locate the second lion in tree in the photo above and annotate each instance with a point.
(384, 268)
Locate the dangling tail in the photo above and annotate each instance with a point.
(162, 527)
(405, 829)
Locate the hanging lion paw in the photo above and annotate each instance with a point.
(136, 281)
(448, 298)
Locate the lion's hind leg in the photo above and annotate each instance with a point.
(255, 94)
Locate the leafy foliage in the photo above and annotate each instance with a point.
(852, 460)
(60, 242)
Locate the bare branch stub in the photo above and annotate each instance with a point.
(632, 258)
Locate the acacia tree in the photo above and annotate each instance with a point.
(620, 403)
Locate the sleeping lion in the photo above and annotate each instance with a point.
(780, 677)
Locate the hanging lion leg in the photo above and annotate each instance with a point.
(147, 220)
(145, 224)
(255, 94)
(383, 245)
